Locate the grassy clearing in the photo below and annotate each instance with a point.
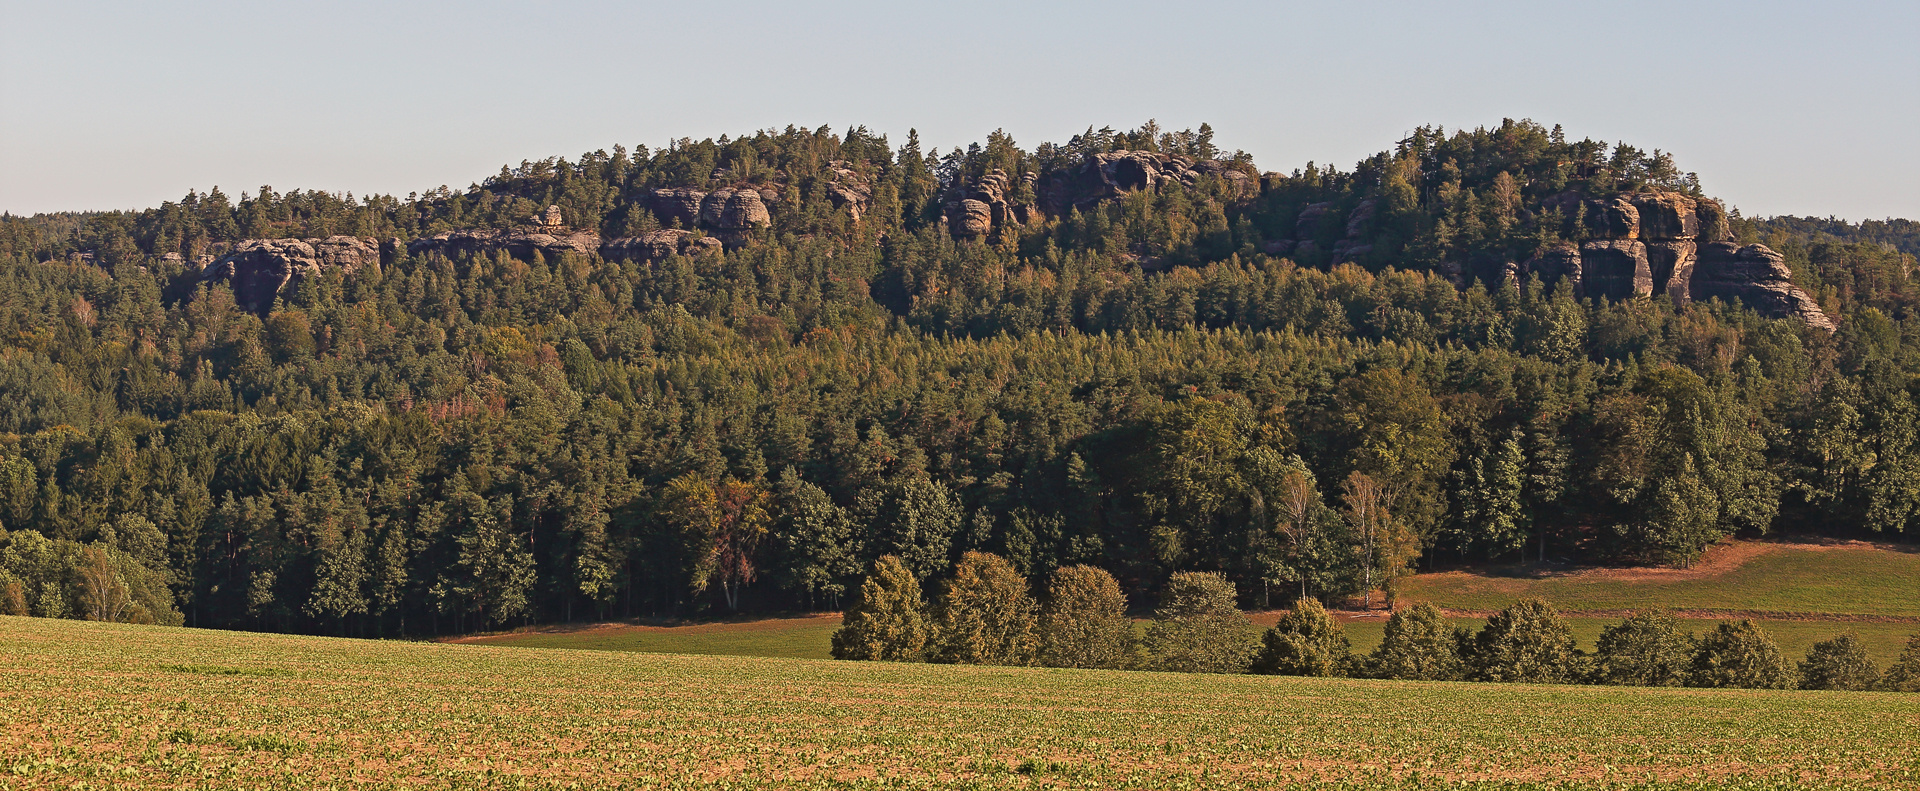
(93, 704)
(1849, 579)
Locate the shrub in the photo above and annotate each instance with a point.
(888, 623)
(1904, 676)
(1198, 628)
(1646, 650)
(1840, 663)
(1739, 654)
(1419, 645)
(1085, 623)
(1306, 642)
(986, 616)
(1527, 643)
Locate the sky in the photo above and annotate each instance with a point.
(1782, 108)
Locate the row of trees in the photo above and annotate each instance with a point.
(985, 615)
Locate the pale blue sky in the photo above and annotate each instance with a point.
(1797, 108)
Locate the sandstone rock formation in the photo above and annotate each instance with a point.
(1556, 262)
(657, 246)
(1756, 276)
(518, 242)
(1115, 174)
(848, 189)
(1615, 269)
(680, 204)
(261, 269)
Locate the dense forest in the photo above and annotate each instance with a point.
(1307, 382)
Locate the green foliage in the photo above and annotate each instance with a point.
(1648, 649)
(985, 615)
(1085, 623)
(1418, 644)
(1306, 642)
(889, 621)
(1199, 628)
(1904, 675)
(1838, 663)
(1525, 643)
(1740, 654)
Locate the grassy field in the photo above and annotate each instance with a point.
(1850, 579)
(112, 706)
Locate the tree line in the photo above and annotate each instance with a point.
(985, 614)
(453, 443)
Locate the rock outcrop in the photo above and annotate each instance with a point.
(658, 245)
(518, 242)
(1672, 244)
(848, 189)
(259, 270)
(677, 204)
(1116, 174)
(1756, 276)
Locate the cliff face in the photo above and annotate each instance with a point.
(1672, 244)
(261, 269)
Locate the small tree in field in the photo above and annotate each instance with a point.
(1646, 650)
(1306, 642)
(1085, 623)
(1904, 676)
(1739, 654)
(1199, 627)
(889, 622)
(1526, 642)
(986, 617)
(1418, 644)
(1839, 663)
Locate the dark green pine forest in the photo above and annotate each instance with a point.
(1310, 381)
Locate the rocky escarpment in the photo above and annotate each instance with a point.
(732, 213)
(1671, 244)
(998, 200)
(260, 270)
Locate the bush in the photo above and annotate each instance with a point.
(1524, 643)
(1840, 663)
(986, 616)
(1306, 642)
(888, 623)
(1646, 650)
(1085, 623)
(1199, 628)
(1739, 654)
(1904, 676)
(1419, 645)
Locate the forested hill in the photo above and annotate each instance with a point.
(730, 373)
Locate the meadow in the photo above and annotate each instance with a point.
(103, 705)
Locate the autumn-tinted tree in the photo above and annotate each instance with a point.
(985, 615)
(1084, 623)
(889, 621)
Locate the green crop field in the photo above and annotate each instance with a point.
(1858, 580)
(93, 705)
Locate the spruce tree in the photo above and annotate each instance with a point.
(889, 621)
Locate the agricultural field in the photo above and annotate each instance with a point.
(115, 706)
(1853, 579)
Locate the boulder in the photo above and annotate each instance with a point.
(974, 218)
(677, 203)
(1613, 218)
(734, 210)
(1756, 276)
(1671, 263)
(552, 218)
(1557, 262)
(1358, 218)
(1666, 216)
(846, 188)
(1307, 225)
(1615, 269)
(657, 246)
(261, 269)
